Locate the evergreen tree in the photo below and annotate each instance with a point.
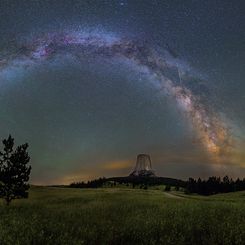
(14, 171)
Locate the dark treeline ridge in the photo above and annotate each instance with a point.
(214, 185)
(90, 184)
(134, 181)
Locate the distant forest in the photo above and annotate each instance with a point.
(130, 180)
(213, 185)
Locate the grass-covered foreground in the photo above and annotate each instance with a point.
(122, 216)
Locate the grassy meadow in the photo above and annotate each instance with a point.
(122, 216)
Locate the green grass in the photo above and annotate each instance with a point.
(122, 216)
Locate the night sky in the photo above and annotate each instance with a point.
(91, 84)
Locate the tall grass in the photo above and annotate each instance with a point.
(121, 216)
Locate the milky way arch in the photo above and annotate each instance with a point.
(211, 130)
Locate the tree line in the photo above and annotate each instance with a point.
(141, 182)
(97, 183)
(214, 185)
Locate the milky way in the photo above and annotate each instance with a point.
(212, 131)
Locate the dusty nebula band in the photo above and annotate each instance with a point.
(212, 131)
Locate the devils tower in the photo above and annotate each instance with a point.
(143, 167)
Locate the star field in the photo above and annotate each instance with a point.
(92, 84)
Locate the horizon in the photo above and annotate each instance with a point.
(101, 177)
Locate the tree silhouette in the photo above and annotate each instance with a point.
(14, 171)
(214, 185)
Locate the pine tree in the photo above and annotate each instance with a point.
(14, 171)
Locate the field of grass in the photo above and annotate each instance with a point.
(122, 216)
